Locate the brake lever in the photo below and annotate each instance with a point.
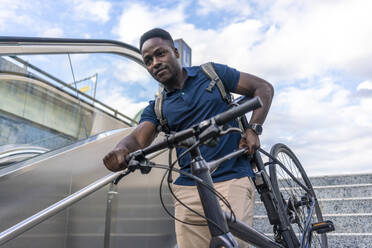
(141, 163)
(210, 136)
(230, 130)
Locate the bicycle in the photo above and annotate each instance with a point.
(293, 210)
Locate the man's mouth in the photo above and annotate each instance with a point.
(160, 71)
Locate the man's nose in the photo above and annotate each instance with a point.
(157, 63)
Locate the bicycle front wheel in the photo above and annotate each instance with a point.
(295, 200)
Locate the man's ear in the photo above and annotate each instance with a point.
(176, 53)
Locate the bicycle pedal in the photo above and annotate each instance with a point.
(323, 227)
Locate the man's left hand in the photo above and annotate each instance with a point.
(250, 140)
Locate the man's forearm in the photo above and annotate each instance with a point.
(251, 86)
(266, 94)
(141, 137)
(129, 143)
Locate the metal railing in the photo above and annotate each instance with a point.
(115, 112)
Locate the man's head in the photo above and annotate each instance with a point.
(160, 56)
(156, 33)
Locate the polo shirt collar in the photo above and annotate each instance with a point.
(190, 73)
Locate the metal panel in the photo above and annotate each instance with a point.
(138, 220)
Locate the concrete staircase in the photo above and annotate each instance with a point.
(344, 199)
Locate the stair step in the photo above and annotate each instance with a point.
(346, 205)
(341, 179)
(329, 206)
(344, 223)
(355, 240)
(346, 240)
(344, 191)
(341, 191)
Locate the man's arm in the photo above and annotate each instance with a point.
(251, 86)
(141, 137)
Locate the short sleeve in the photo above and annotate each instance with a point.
(229, 76)
(148, 114)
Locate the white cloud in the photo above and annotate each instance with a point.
(327, 128)
(139, 18)
(241, 7)
(92, 10)
(314, 37)
(206, 44)
(365, 85)
(113, 98)
(225, 45)
(130, 72)
(52, 32)
(294, 40)
(11, 13)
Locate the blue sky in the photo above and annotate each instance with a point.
(317, 54)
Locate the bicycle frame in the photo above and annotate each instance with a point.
(213, 211)
(221, 235)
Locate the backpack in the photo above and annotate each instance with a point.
(209, 70)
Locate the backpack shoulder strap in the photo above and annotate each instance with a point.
(158, 108)
(209, 70)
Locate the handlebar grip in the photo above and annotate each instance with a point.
(240, 110)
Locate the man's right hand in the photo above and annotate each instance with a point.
(115, 160)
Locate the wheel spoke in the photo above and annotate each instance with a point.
(292, 193)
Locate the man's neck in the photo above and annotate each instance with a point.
(177, 82)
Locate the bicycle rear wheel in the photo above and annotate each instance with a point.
(295, 200)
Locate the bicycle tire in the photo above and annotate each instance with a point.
(286, 189)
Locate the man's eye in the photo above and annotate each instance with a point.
(147, 62)
(160, 53)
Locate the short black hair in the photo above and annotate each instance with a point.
(156, 33)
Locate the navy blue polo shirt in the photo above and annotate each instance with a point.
(192, 104)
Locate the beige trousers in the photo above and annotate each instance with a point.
(239, 193)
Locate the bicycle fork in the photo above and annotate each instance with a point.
(217, 224)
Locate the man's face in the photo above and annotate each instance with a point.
(160, 59)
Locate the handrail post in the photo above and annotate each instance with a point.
(110, 197)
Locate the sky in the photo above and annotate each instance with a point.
(317, 54)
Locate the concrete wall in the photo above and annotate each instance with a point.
(15, 130)
(33, 111)
(45, 108)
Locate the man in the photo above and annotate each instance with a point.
(187, 102)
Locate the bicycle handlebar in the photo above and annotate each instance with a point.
(219, 119)
(240, 110)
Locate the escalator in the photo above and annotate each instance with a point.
(53, 137)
